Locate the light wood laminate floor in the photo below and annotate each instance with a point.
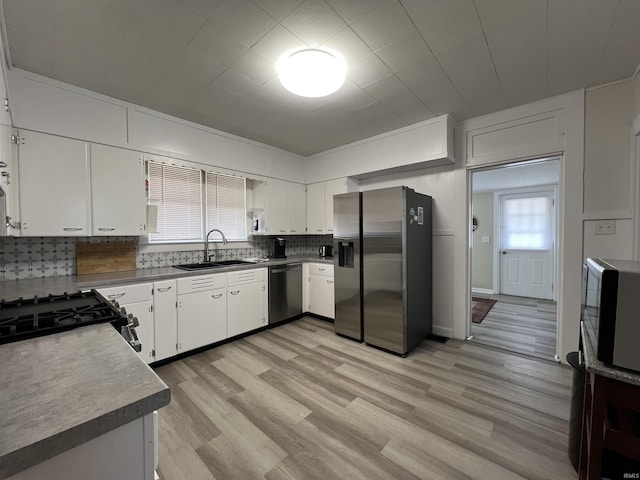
(299, 402)
(519, 324)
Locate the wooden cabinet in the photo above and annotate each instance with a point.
(321, 295)
(165, 319)
(202, 311)
(246, 301)
(117, 191)
(315, 208)
(320, 203)
(296, 208)
(54, 186)
(137, 300)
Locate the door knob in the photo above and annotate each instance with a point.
(504, 252)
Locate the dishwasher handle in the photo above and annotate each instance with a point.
(285, 268)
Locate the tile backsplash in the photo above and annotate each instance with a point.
(34, 257)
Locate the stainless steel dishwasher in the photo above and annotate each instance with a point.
(285, 292)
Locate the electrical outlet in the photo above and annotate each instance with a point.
(606, 227)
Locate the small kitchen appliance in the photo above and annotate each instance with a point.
(610, 310)
(326, 251)
(279, 248)
(33, 317)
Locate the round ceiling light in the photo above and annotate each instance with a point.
(311, 73)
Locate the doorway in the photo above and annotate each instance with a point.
(513, 257)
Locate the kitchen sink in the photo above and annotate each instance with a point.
(206, 265)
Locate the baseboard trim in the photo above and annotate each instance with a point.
(483, 291)
(442, 331)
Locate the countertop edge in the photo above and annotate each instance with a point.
(30, 455)
(595, 366)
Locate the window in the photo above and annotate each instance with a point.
(226, 205)
(526, 222)
(186, 209)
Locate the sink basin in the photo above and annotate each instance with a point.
(205, 265)
(197, 266)
(233, 262)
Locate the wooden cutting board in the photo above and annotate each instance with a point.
(105, 257)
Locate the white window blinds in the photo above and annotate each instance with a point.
(526, 222)
(226, 205)
(178, 193)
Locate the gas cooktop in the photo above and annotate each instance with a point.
(28, 318)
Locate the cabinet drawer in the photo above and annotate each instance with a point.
(321, 269)
(246, 276)
(201, 282)
(126, 294)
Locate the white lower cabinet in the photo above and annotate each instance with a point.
(247, 301)
(176, 316)
(202, 311)
(165, 319)
(320, 292)
(137, 300)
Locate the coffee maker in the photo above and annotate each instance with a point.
(279, 248)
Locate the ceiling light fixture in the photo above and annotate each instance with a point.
(311, 72)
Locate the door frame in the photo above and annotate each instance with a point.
(498, 239)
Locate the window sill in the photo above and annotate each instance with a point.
(145, 247)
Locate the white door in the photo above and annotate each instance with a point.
(144, 313)
(526, 244)
(165, 318)
(296, 208)
(245, 308)
(321, 295)
(315, 208)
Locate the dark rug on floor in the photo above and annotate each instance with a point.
(480, 308)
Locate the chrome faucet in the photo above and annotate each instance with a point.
(206, 242)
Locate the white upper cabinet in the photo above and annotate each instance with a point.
(279, 207)
(315, 208)
(320, 203)
(331, 188)
(117, 191)
(54, 186)
(296, 208)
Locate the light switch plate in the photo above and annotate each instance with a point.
(606, 227)
(486, 239)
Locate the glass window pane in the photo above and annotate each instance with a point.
(526, 223)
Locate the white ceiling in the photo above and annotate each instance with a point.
(519, 175)
(212, 61)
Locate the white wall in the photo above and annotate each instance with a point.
(482, 253)
(45, 105)
(609, 189)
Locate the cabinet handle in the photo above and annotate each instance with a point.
(318, 230)
(321, 269)
(164, 289)
(106, 229)
(329, 281)
(117, 295)
(293, 231)
(72, 229)
(235, 293)
(283, 231)
(216, 296)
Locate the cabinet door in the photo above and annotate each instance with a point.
(296, 209)
(321, 295)
(276, 207)
(117, 191)
(54, 186)
(165, 319)
(143, 311)
(315, 208)
(245, 307)
(202, 318)
(331, 188)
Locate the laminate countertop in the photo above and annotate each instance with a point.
(12, 289)
(593, 365)
(59, 391)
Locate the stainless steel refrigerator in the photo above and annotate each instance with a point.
(383, 267)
